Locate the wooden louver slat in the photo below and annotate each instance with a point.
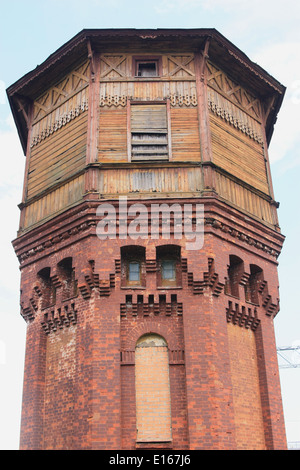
(149, 129)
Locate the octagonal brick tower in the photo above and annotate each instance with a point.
(140, 342)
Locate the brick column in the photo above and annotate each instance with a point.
(209, 397)
(32, 435)
(105, 395)
(270, 385)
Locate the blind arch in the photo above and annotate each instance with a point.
(153, 398)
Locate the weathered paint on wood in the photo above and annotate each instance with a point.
(142, 120)
(185, 137)
(112, 144)
(244, 198)
(236, 153)
(54, 202)
(155, 181)
(58, 157)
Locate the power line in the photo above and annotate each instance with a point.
(294, 445)
(288, 357)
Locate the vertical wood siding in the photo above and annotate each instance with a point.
(156, 181)
(244, 198)
(54, 202)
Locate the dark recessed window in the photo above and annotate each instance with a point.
(133, 272)
(145, 66)
(146, 69)
(169, 266)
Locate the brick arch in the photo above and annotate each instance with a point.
(151, 326)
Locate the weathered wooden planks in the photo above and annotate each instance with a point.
(238, 154)
(58, 157)
(53, 202)
(185, 138)
(155, 181)
(112, 144)
(244, 198)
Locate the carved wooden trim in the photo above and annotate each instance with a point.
(244, 123)
(220, 81)
(58, 94)
(59, 123)
(121, 100)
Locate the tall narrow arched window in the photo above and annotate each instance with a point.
(67, 277)
(133, 266)
(253, 284)
(235, 272)
(153, 398)
(47, 288)
(169, 266)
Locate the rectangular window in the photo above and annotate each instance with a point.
(145, 67)
(133, 271)
(149, 132)
(168, 270)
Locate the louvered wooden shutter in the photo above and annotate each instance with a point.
(149, 132)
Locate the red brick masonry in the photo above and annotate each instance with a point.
(83, 326)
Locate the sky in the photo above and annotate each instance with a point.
(266, 31)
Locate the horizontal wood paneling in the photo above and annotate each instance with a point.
(58, 157)
(236, 153)
(112, 144)
(244, 198)
(146, 117)
(185, 139)
(54, 202)
(184, 133)
(157, 181)
(149, 132)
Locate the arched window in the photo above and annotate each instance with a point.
(46, 287)
(235, 272)
(133, 266)
(153, 398)
(252, 286)
(169, 266)
(67, 278)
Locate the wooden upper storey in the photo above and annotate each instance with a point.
(168, 113)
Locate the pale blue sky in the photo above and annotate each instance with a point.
(267, 31)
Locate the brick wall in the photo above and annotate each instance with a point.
(248, 418)
(82, 366)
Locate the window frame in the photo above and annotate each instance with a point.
(146, 59)
(163, 270)
(175, 257)
(129, 255)
(135, 281)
